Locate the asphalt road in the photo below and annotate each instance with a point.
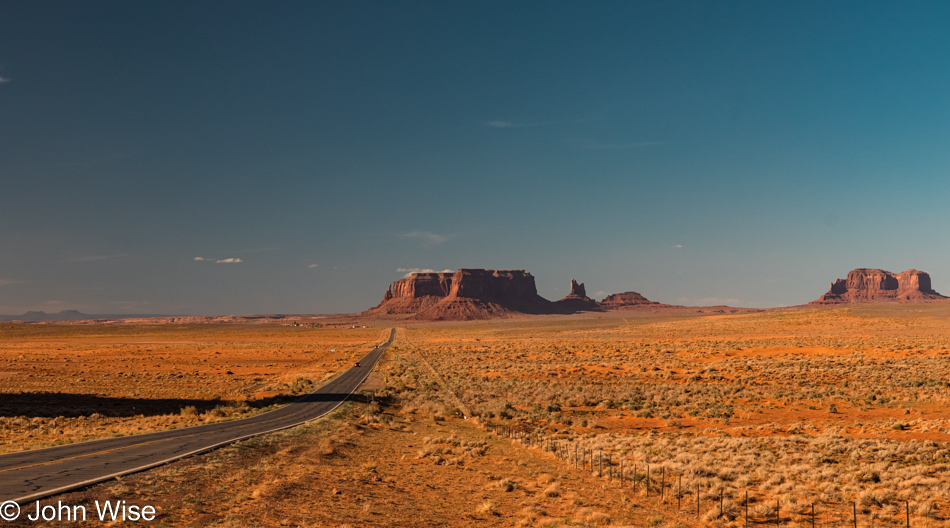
(31, 475)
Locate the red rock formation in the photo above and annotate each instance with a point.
(483, 294)
(577, 290)
(577, 300)
(414, 293)
(628, 301)
(422, 285)
(466, 294)
(865, 285)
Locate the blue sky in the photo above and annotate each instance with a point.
(696, 152)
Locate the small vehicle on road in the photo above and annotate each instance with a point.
(357, 364)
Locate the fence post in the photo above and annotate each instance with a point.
(777, 517)
(679, 494)
(697, 500)
(621, 473)
(907, 506)
(648, 480)
(813, 515)
(721, 492)
(747, 508)
(854, 513)
(663, 486)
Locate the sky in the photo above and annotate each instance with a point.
(229, 157)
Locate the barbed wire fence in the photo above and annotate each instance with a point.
(694, 501)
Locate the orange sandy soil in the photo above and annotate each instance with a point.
(63, 383)
(363, 467)
(824, 354)
(839, 407)
(832, 406)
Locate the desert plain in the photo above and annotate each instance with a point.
(834, 416)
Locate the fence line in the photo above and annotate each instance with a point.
(631, 481)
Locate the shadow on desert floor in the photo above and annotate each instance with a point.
(52, 404)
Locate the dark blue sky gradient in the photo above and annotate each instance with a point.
(697, 152)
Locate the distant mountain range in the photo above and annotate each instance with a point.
(68, 315)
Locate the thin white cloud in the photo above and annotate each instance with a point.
(313, 266)
(678, 246)
(232, 260)
(11, 282)
(4, 80)
(427, 237)
(235, 260)
(409, 271)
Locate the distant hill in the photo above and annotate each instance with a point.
(67, 315)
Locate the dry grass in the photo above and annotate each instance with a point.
(68, 383)
(371, 478)
(836, 407)
(829, 406)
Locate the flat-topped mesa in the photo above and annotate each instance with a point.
(465, 294)
(577, 300)
(867, 285)
(414, 293)
(488, 284)
(626, 301)
(422, 285)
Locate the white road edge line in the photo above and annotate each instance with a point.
(35, 496)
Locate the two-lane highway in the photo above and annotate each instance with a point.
(30, 475)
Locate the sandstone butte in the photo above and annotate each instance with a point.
(625, 300)
(465, 294)
(577, 300)
(484, 294)
(866, 285)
